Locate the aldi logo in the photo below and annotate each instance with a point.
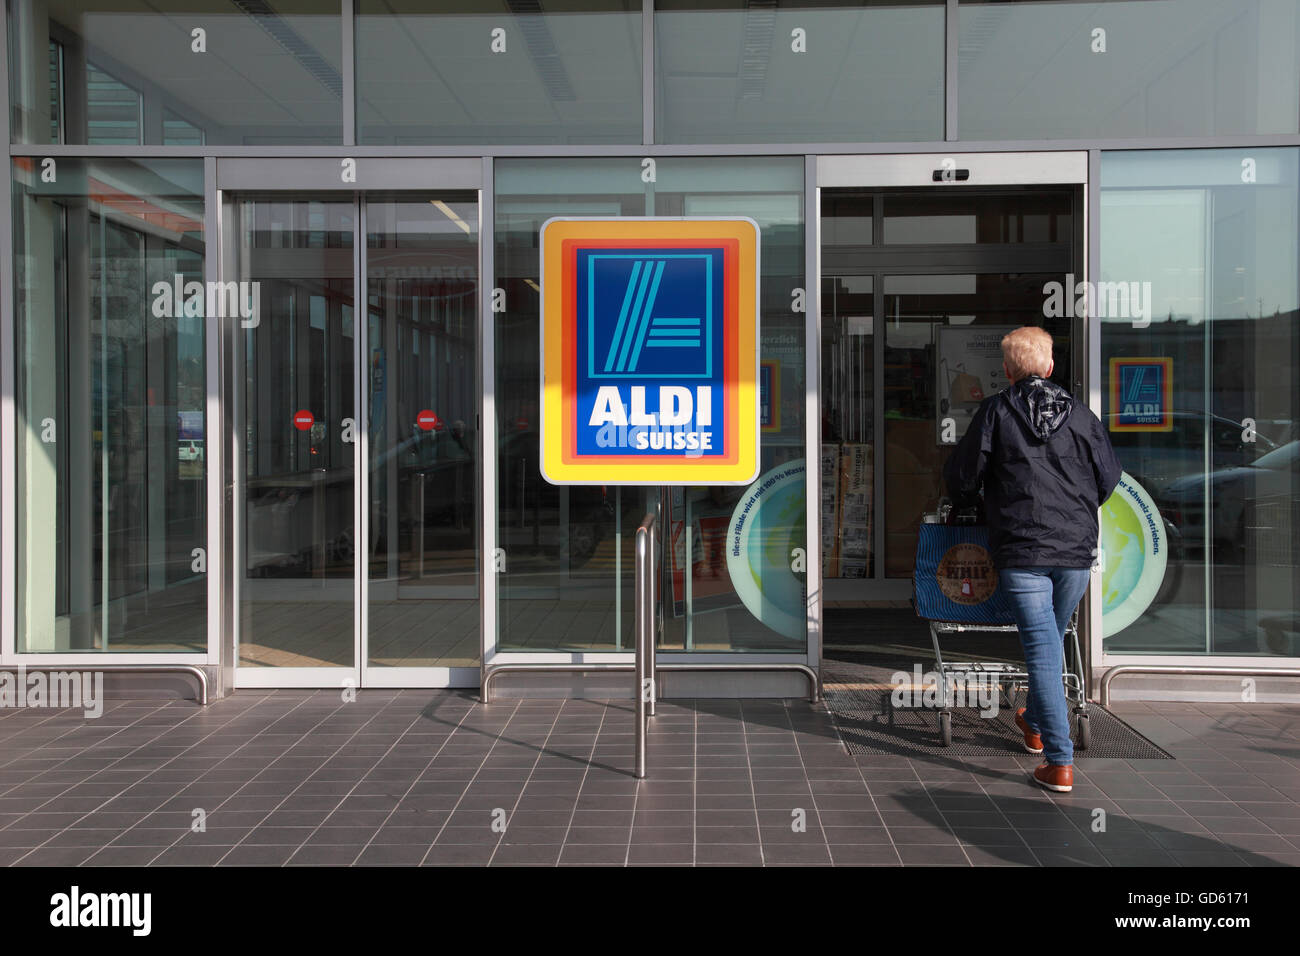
(649, 351)
(647, 341)
(1141, 394)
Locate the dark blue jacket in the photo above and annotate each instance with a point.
(1046, 465)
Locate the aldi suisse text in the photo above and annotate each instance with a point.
(677, 419)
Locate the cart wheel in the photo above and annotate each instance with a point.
(945, 728)
(1084, 726)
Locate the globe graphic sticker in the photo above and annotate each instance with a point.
(1136, 554)
(768, 524)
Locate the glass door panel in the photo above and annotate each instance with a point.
(943, 337)
(293, 415)
(423, 437)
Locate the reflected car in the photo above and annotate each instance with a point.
(437, 487)
(1254, 509)
(297, 522)
(531, 508)
(1157, 459)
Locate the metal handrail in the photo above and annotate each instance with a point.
(645, 633)
(1210, 669)
(198, 673)
(492, 671)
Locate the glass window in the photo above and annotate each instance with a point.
(129, 72)
(943, 356)
(469, 71)
(568, 583)
(1201, 401)
(1035, 70)
(422, 355)
(798, 71)
(294, 500)
(110, 392)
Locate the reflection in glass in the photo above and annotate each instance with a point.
(470, 71)
(295, 378)
(1060, 70)
(129, 72)
(565, 545)
(111, 394)
(735, 72)
(943, 356)
(1012, 217)
(1221, 463)
(422, 285)
(848, 426)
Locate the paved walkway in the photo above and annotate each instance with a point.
(433, 777)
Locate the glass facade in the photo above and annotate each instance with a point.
(176, 72)
(1070, 69)
(465, 71)
(1210, 237)
(735, 72)
(111, 525)
(568, 551)
(359, 352)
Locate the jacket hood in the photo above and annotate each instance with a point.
(1043, 405)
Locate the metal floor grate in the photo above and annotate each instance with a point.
(868, 723)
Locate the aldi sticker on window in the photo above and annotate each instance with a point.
(1142, 394)
(649, 351)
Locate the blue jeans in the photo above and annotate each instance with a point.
(1042, 600)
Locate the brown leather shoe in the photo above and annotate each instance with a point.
(1033, 742)
(1058, 777)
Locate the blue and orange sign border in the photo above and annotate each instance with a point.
(561, 238)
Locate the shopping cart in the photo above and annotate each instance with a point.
(955, 589)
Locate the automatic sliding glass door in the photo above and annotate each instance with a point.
(422, 437)
(294, 425)
(356, 471)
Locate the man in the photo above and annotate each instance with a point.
(1046, 466)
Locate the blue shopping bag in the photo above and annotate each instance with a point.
(955, 580)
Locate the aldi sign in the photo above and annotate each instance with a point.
(1142, 394)
(649, 351)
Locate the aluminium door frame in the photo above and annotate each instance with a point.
(933, 170)
(326, 177)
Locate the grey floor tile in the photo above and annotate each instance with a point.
(323, 855)
(932, 854)
(410, 854)
(526, 854)
(593, 855)
(745, 854)
(854, 854)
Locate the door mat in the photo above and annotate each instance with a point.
(869, 723)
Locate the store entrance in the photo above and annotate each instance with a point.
(918, 287)
(352, 415)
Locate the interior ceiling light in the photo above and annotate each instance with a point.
(450, 213)
(542, 50)
(273, 25)
(760, 23)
